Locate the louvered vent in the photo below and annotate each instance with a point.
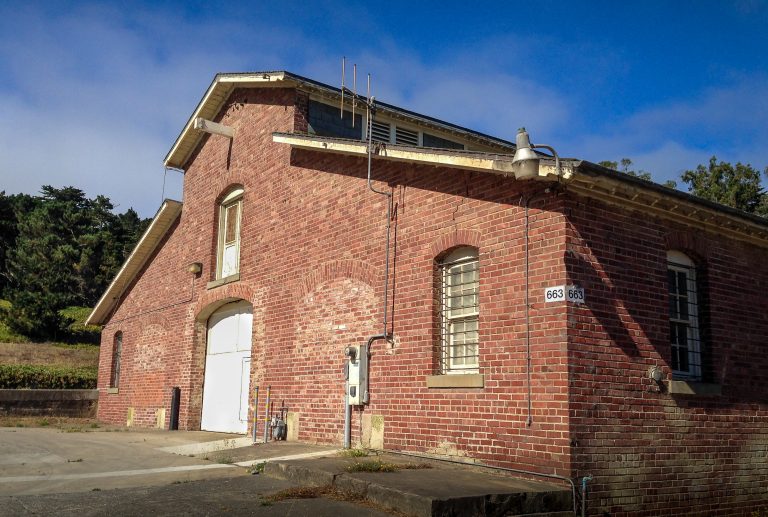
(380, 132)
(406, 137)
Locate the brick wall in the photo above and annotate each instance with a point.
(312, 266)
(651, 452)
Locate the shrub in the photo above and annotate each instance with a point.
(21, 376)
(6, 334)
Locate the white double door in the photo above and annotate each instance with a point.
(226, 386)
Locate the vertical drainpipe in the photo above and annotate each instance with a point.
(385, 335)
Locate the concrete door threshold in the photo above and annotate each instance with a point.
(212, 446)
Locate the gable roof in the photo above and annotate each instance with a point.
(224, 83)
(164, 218)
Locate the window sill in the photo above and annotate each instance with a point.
(113, 391)
(466, 380)
(221, 281)
(694, 388)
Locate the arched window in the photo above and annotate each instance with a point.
(228, 254)
(459, 311)
(117, 352)
(684, 329)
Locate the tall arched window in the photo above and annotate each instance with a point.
(117, 352)
(228, 254)
(684, 330)
(459, 311)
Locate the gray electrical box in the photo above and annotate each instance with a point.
(357, 374)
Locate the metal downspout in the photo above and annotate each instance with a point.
(385, 335)
(526, 205)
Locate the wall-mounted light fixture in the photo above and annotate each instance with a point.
(195, 268)
(655, 373)
(214, 128)
(525, 163)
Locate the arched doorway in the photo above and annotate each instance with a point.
(227, 369)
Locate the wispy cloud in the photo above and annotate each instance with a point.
(94, 96)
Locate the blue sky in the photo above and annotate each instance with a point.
(94, 94)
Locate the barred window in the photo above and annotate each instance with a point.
(117, 351)
(459, 311)
(683, 317)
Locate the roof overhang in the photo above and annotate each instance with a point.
(222, 86)
(496, 163)
(165, 217)
(581, 177)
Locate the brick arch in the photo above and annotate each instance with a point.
(212, 300)
(227, 184)
(155, 320)
(692, 244)
(454, 240)
(335, 269)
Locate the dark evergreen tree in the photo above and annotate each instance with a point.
(66, 251)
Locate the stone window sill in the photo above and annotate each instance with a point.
(467, 380)
(113, 391)
(221, 281)
(694, 388)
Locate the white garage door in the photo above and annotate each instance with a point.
(227, 369)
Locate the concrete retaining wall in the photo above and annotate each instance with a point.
(71, 403)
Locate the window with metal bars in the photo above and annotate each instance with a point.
(684, 330)
(117, 352)
(459, 311)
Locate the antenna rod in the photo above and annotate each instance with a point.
(354, 92)
(343, 66)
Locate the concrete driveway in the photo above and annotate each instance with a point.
(45, 461)
(144, 472)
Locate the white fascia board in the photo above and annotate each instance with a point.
(474, 161)
(208, 107)
(166, 215)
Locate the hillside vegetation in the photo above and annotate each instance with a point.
(58, 252)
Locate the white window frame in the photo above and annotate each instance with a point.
(678, 262)
(234, 198)
(450, 363)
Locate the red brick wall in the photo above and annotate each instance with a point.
(312, 265)
(653, 453)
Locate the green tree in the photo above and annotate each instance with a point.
(625, 165)
(736, 186)
(67, 250)
(10, 208)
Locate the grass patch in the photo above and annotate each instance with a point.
(381, 466)
(353, 453)
(65, 424)
(302, 492)
(258, 468)
(51, 354)
(226, 460)
(372, 466)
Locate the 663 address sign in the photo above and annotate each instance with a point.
(560, 293)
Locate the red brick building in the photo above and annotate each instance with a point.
(652, 377)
